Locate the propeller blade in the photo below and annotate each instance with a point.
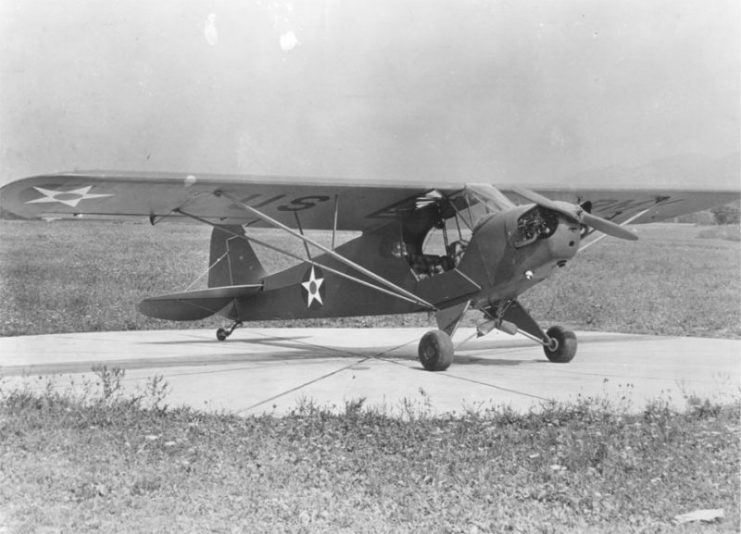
(569, 211)
(608, 227)
(579, 214)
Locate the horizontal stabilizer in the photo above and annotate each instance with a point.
(193, 305)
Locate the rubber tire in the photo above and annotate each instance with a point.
(221, 334)
(566, 348)
(436, 350)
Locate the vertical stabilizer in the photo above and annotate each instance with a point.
(232, 259)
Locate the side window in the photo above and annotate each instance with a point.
(439, 253)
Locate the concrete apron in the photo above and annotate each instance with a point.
(275, 370)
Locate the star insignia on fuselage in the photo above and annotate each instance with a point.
(313, 288)
(68, 198)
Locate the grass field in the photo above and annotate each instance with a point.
(75, 277)
(108, 464)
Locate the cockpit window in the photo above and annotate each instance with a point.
(440, 251)
(534, 224)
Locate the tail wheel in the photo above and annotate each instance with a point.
(562, 347)
(223, 333)
(436, 350)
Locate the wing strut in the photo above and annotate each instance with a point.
(334, 222)
(301, 231)
(399, 291)
(346, 276)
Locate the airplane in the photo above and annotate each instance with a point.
(497, 243)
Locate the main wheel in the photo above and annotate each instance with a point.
(562, 348)
(221, 334)
(436, 350)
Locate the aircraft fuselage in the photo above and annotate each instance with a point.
(508, 253)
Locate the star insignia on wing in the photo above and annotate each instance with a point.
(69, 198)
(313, 288)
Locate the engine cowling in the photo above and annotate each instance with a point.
(513, 250)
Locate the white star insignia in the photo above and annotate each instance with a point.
(68, 198)
(312, 286)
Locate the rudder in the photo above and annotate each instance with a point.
(232, 259)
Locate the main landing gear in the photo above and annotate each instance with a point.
(559, 344)
(436, 350)
(223, 333)
(562, 345)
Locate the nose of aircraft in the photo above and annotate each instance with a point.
(564, 243)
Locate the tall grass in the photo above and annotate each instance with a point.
(116, 463)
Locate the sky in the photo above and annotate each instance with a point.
(422, 90)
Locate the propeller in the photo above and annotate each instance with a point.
(578, 214)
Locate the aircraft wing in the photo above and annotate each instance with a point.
(358, 206)
(125, 195)
(619, 205)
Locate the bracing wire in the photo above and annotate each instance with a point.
(208, 270)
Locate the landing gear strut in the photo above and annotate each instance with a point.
(223, 333)
(559, 344)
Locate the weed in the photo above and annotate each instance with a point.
(353, 408)
(109, 381)
(415, 410)
(155, 392)
(702, 408)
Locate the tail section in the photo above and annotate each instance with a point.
(235, 273)
(233, 262)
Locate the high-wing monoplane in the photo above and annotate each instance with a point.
(495, 244)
